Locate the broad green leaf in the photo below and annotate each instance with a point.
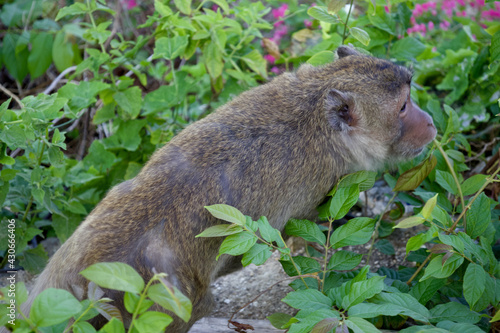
(114, 275)
(361, 35)
(326, 325)
(237, 244)
(227, 213)
(410, 222)
(361, 291)
(340, 203)
(335, 5)
(75, 9)
(184, 6)
(152, 321)
(305, 265)
(473, 184)
(130, 101)
(438, 270)
(412, 178)
(495, 48)
(306, 229)
(278, 319)
(266, 230)
(62, 51)
(34, 260)
(221, 230)
(423, 291)
(15, 61)
(344, 260)
(474, 283)
(455, 312)
(161, 6)
(257, 255)
(309, 299)
(53, 306)
(445, 179)
(429, 207)
(308, 319)
(385, 246)
(357, 231)
(170, 48)
(131, 302)
(321, 14)
(478, 217)
(407, 304)
(382, 20)
(213, 61)
(321, 58)
(359, 325)
(452, 240)
(407, 48)
(172, 300)
(364, 179)
(40, 56)
(83, 327)
(256, 62)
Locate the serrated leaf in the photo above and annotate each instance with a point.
(361, 291)
(429, 207)
(474, 284)
(344, 260)
(359, 325)
(305, 265)
(227, 213)
(361, 35)
(256, 62)
(321, 58)
(326, 325)
(385, 246)
(170, 48)
(75, 9)
(62, 304)
(412, 178)
(40, 56)
(407, 48)
(445, 179)
(114, 275)
(321, 14)
(478, 217)
(423, 291)
(495, 46)
(473, 184)
(130, 101)
(340, 203)
(266, 230)
(355, 232)
(221, 230)
(257, 255)
(306, 229)
(109, 311)
(364, 179)
(278, 319)
(309, 299)
(172, 300)
(184, 6)
(152, 321)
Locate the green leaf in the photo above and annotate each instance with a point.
(237, 244)
(162, 8)
(184, 6)
(256, 62)
(478, 217)
(407, 48)
(53, 306)
(131, 302)
(306, 229)
(474, 284)
(361, 35)
(364, 179)
(14, 136)
(38, 194)
(56, 157)
(170, 48)
(355, 232)
(278, 319)
(113, 326)
(40, 56)
(429, 207)
(382, 20)
(340, 203)
(407, 304)
(83, 327)
(445, 179)
(305, 265)
(495, 47)
(385, 246)
(227, 213)
(15, 61)
(344, 260)
(359, 325)
(62, 51)
(412, 178)
(130, 101)
(221, 230)
(473, 184)
(152, 321)
(425, 290)
(455, 312)
(75, 9)
(257, 255)
(34, 260)
(321, 14)
(309, 299)
(114, 275)
(321, 58)
(326, 325)
(438, 270)
(213, 60)
(363, 290)
(172, 300)
(266, 230)
(410, 222)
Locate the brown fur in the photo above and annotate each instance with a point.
(276, 150)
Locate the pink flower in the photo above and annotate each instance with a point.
(387, 10)
(130, 4)
(431, 25)
(275, 70)
(280, 11)
(308, 23)
(444, 25)
(279, 33)
(215, 7)
(270, 59)
(491, 14)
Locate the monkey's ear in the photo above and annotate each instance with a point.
(340, 110)
(345, 51)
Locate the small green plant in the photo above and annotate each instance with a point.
(451, 288)
(58, 310)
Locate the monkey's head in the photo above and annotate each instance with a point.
(367, 103)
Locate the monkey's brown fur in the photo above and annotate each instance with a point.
(275, 150)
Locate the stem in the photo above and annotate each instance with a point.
(377, 225)
(141, 299)
(347, 20)
(419, 269)
(327, 246)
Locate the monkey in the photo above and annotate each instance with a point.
(276, 151)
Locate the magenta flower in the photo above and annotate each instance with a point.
(444, 25)
(280, 11)
(431, 25)
(270, 59)
(275, 70)
(130, 4)
(308, 23)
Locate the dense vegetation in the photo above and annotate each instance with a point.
(94, 89)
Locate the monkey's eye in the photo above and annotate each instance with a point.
(403, 108)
